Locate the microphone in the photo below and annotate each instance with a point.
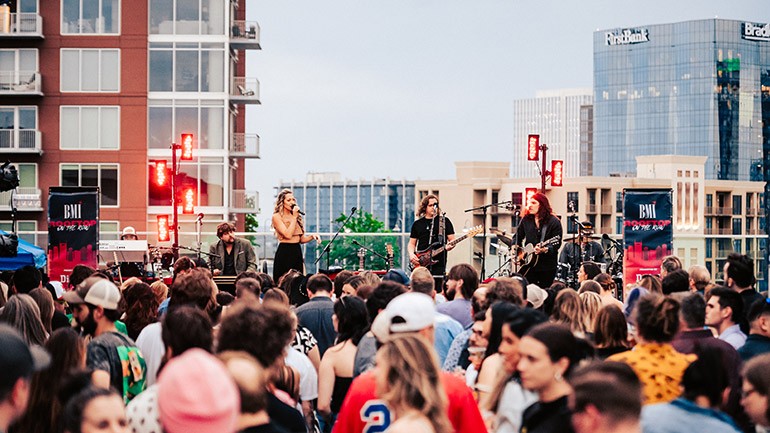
(353, 209)
(200, 217)
(300, 210)
(607, 237)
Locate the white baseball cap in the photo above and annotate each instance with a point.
(95, 291)
(410, 312)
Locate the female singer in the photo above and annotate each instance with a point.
(538, 225)
(290, 231)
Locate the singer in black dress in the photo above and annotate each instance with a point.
(538, 225)
(290, 231)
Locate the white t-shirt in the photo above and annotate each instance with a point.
(150, 343)
(308, 377)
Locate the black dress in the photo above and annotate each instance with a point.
(287, 257)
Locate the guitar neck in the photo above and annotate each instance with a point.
(449, 244)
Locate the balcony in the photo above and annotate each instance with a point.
(242, 201)
(244, 91)
(724, 211)
(19, 83)
(244, 35)
(22, 25)
(606, 209)
(244, 146)
(20, 141)
(25, 199)
(591, 208)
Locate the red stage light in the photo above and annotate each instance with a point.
(557, 172)
(161, 173)
(187, 147)
(188, 200)
(528, 193)
(163, 230)
(533, 147)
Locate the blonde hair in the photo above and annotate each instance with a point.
(568, 310)
(160, 290)
(591, 304)
(370, 278)
(412, 379)
(279, 206)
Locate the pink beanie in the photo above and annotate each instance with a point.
(197, 394)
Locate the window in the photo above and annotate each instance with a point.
(109, 230)
(202, 118)
(27, 176)
(18, 128)
(709, 249)
(90, 17)
(737, 204)
(619, 225)
(90, 70)
(206, 176)
(25, 229)
(619, 202)
(89, 127)
(709, 200)
(105, 176)
(737, 226)
(187, 67)
(573, 201)
(18, 67)
(187, 17)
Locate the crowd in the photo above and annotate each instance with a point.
(364, 354)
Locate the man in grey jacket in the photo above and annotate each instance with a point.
(231, 255)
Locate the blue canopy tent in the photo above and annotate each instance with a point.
(28, 254)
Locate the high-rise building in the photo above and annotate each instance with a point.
(555, 116)
(93, 93)
(324, 197)
(698, 88)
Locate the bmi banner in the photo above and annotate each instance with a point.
(73, 229)
(647, 231)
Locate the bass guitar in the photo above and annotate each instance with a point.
(526, 259)
(425, 257)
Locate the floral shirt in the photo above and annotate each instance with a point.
(304, 340)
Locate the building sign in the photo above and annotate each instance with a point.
(756, 32)
(627, 37)
(647, 231)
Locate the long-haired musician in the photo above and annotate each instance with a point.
(538, 225)
(426, 231)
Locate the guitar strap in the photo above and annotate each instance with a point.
(543, 231)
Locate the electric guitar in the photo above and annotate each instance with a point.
(389, 255)
(526, 258)
(425, 257)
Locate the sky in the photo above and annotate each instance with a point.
(402, 89)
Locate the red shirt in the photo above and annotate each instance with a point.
(363, 412)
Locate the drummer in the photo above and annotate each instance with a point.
(129, 234)
(582, 248)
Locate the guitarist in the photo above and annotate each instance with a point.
(538, 225)
(426, 231)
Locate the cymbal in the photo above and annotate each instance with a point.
(507, 240)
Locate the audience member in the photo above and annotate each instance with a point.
(739, 276)
(22, 313)
(568, 310)
(547, 354)
(461, 281)
(756, 391)
(93, 410)
(658, 365)
(607, 398)
(493, 361)
(588, 271)
(26, 278)
(724, 308)
(377, 302)
(758, 340)
(408, 381)
(675, 281)
(18, 362)
(700, 278)
(609, 290)
(705, 381)
(610, 332)
(340, 280)
(316, 314)
(591, 303)
(141, 308)
(44, 301)
(669, 264)
(447, 328)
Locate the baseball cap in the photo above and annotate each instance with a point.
(409, 312)
(197, 394)
(536, 296)
(397, 275)
(128, 231)
(95, 291)
(17, 359)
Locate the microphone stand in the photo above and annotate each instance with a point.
(327, 248)
(358, 244)
(484, 208)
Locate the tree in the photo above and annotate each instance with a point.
(344, 252)
(251, 224)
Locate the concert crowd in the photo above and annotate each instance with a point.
(364, 353)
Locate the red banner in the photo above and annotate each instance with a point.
(73, 230)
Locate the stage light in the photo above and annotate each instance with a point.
(557, 172)
(187, 147)
(163, 230)
(161, 173)
(533, 147)
(188, 201)
(528, 193)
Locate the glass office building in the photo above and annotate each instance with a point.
(698, 88)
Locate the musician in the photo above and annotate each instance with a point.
(425, 232)
(582, 249)
(129, 234)
(231, 256)
(290, 231)
(538, 225)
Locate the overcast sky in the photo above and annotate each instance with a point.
(404, 88)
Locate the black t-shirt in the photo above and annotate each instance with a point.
(421, 230)
(270, 427)
(229, 263)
